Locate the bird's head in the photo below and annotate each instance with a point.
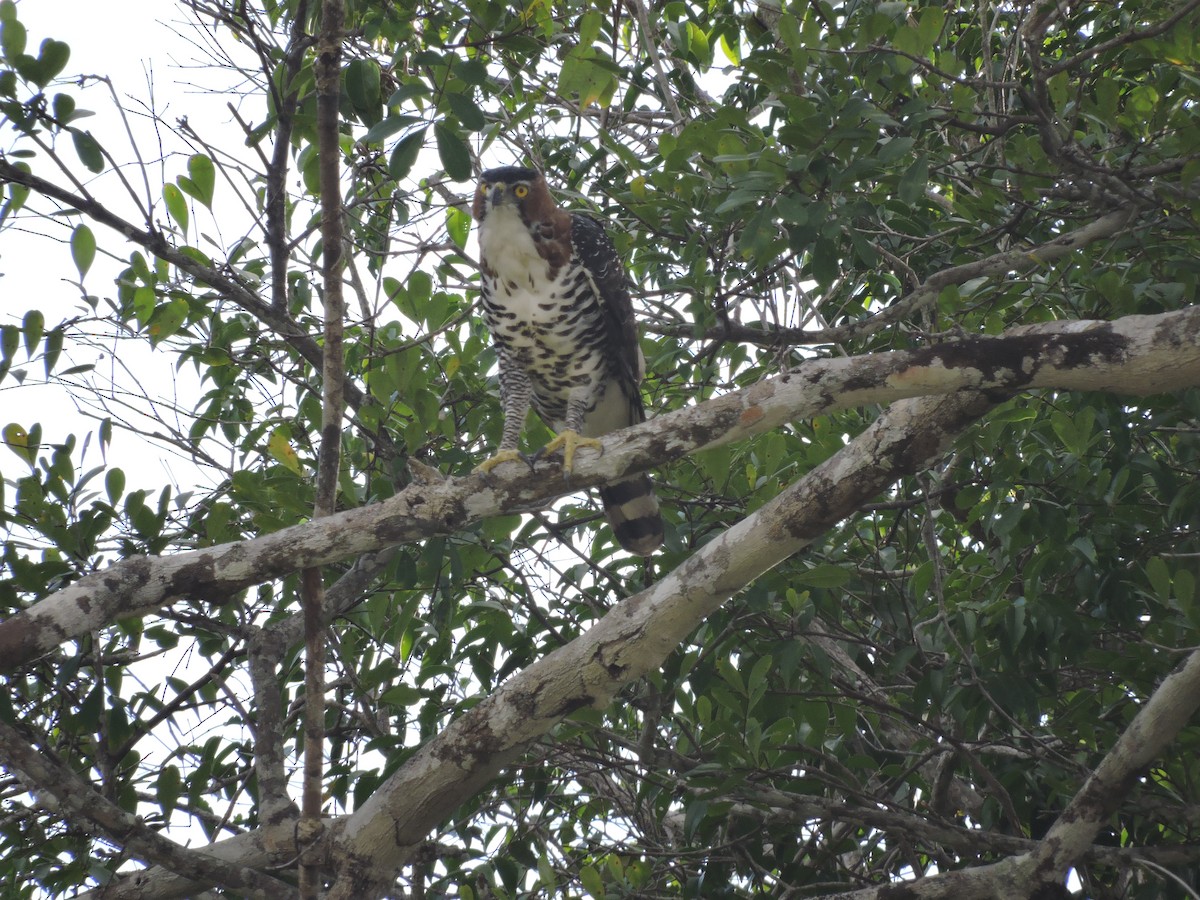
(524, 189)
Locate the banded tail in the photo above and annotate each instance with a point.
(633, 513)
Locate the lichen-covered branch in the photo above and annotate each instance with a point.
(1132, 355)
(633, 638)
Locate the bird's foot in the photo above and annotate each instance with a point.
(568, 442)
(502, 456)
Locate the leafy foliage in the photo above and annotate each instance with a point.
(921, 691)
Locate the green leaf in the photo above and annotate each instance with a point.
(914, 181)
(88, 150)
(589, 27)
(201, 179)
(114, 485)
(167, 320)
(10, 339)
(737, 198)
(362, 81)
(458, 224)
(309, 164)
(52, 349)
(17, 195)
(697, 809)
(12, 39)
(699, 45)
(143, 305)
(388, 126)
(468, 114)
(16, 438)
(401, 695)
(590, 878)
(929, 27)
(52, 59)
(404, 154)
(279, 446)
(63, 108)
(453, 152)
(176, 206)
(546, 874)
(789, 32)
(83, 249)
(168, 788)
(759, 680)
(32, 327)
(1074, 429)
(730, 50)
(824, 576)
(584, 75)
(1184, 584)
(1160, 578)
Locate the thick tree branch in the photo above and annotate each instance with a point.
(1070, 838)
(632, 639)
(268, 847)
(637, 634)
(1156, 724)
(262, 662)
(1133, 355)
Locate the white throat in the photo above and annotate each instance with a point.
(505, 242)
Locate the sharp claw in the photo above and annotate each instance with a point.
(569, 441)
(501, 456)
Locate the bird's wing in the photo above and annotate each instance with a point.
(596, 252)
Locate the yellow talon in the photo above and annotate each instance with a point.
(569, 441)
(502, 456)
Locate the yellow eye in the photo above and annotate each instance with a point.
(484, 187)
(521, 190)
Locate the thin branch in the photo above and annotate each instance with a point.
(1130, 37)
(664, 85)
(996, 265)
(79, 802)
(276, 205)
(222, 280)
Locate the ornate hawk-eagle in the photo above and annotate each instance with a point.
(556, 300)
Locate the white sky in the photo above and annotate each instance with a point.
(134, 44)
(144, 47)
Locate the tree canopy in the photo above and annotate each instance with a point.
(915, 283)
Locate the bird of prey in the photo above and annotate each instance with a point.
(556, 301)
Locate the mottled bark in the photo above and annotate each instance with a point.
(1132, 355)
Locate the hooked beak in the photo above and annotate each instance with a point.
(497, 195)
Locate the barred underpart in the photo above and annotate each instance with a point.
(556, 300)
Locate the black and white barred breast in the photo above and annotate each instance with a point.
(547, 321)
